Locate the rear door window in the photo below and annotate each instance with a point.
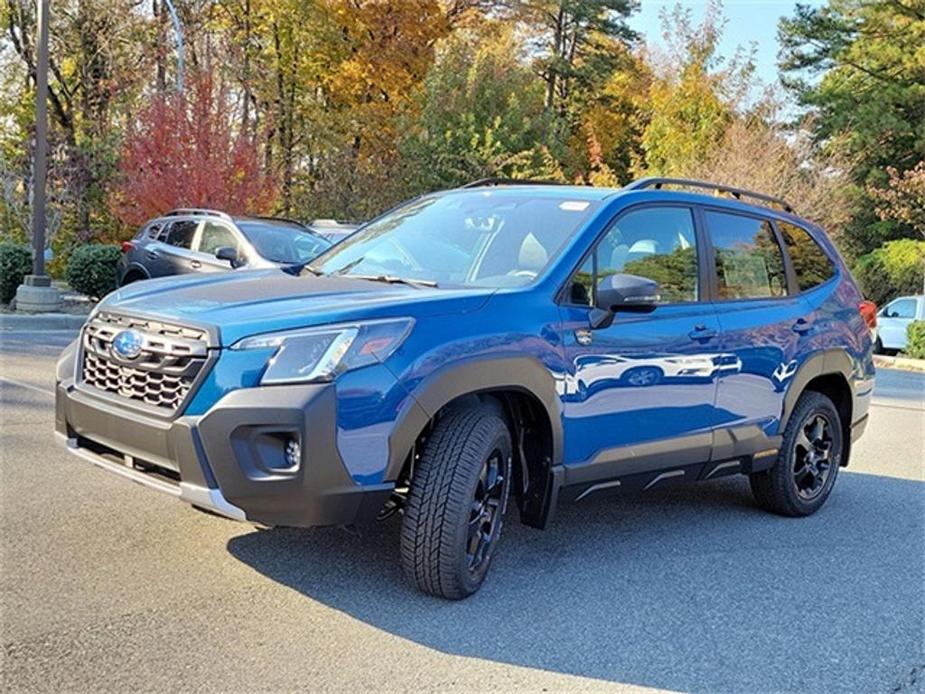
(811, 264)
(749, 261)
(182, 232)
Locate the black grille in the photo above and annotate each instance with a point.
(161, 375)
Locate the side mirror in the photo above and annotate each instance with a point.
(227, 253)
(622, 292)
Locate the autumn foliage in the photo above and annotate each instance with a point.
(184, 150)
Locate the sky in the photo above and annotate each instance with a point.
(747, 21)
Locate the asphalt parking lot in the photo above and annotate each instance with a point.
(108, 586)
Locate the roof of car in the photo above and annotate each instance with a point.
(545, 189)
(653, 188)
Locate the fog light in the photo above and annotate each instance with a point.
(293, 452)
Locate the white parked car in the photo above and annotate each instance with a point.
(648, 371)
(894, 319)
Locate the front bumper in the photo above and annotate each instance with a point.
(228, 460)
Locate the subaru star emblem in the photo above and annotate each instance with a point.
(127, 344)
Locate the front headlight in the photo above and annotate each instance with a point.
(317, 354)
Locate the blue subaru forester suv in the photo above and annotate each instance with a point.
(501, 341)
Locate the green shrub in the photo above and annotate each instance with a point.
(894, 269)
(93, 269)
(15, 263)
(915, 344)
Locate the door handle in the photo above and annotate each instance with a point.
(802, 326)
(153, 255)
(195, 264)
(702, 332)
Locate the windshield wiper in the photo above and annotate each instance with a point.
(296, 269)
(349, 266)
(393, 279)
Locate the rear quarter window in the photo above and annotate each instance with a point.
(812, 265)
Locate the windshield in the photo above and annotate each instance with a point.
(488, 238)
(282, 242)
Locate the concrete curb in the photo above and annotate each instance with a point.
(41, 321)
(905, 363)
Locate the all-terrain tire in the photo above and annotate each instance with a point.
(442, 497)
(776, 489)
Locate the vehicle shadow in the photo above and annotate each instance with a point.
(689, 589)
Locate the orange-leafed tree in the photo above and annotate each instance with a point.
(186, 150)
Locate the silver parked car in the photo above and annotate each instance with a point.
(894, 319)
(199, 240)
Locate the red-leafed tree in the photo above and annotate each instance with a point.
(184, 150)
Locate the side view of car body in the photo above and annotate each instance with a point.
(894, 319)
(196, 240)
(472, 348)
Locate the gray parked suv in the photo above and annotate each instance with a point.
(197, 240)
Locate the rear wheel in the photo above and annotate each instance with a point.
(878, 347)
(455, 507)
(807, 463)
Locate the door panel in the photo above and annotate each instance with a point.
(764, 336)
(762, 324)
(176, 252)
(647, 377)
(648, 380)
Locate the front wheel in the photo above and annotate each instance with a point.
(808, 460)
(455, 507)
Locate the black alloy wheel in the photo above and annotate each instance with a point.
(808, 460)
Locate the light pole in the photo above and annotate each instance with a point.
(36, 293)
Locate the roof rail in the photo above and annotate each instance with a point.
(193, 211)
(489, 182)
(717, 188)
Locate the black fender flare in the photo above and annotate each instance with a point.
(823, 363)
(472, 376)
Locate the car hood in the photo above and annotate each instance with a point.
(244, 303)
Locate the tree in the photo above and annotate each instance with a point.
(481, 112)
(892, 270)
(573, 41)
(184, 151)
(757, 152)
(859, 67)
(692, 99)
(903, 199)
(97, 47)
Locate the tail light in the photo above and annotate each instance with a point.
(127, 246)
(868, 311)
